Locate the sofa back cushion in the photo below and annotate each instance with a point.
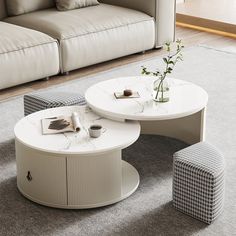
(19, 7)
(3, 12)
(65, 5)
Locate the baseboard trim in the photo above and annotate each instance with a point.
(206, 23)
(207, 29)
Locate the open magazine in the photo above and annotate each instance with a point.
(61, 124)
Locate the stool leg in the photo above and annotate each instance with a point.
(203, 124)
(46, 78)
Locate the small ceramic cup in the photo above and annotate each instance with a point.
(95, 131)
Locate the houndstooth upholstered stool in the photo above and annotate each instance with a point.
(45, 100)
(198, 181)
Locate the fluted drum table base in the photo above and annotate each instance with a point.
(74, 182)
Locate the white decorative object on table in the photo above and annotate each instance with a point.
(72, 170)
(183, 117)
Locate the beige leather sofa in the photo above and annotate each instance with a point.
(25, 55)
(81, 37)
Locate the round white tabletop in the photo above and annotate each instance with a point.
(185, 99)
(116, 136)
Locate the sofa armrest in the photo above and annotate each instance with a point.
(163, 11)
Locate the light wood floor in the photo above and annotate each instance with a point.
(189, 36)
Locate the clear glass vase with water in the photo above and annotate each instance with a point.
(161, 90)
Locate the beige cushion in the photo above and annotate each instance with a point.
(15, 38)
(64, 5)
(93, 34)
(25, 55)
(164, 12)
(68, 24)
(3, 12)
(19, 7)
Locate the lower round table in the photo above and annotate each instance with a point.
(72, 170)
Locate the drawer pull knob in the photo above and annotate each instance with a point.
(29, 177)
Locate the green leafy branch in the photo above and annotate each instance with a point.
(170, 61)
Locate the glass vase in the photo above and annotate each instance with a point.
(161, 90)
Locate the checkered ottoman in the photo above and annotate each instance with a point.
(45, 100)
(198, 181)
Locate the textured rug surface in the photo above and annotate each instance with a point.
(149, 210)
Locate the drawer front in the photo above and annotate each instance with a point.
(41, 176)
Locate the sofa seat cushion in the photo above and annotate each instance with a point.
(26, 55)
(121, 30)
(14, 38)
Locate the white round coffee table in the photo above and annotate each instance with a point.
(183, 117)
(72, 170)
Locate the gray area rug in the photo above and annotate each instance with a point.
(149, 210)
